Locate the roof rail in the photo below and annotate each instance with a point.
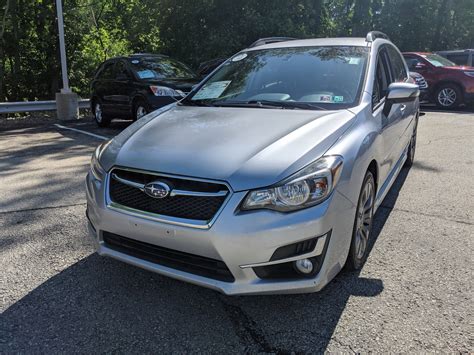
(268, 40)
(373, 35)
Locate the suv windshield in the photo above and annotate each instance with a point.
(159, 68)
(300, 77)
(438, 61)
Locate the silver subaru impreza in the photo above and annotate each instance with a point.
(266, 177)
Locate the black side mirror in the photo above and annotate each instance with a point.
(399, 93)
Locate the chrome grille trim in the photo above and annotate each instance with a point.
(192, 223)
(173, 192)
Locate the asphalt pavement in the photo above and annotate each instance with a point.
(414, 294)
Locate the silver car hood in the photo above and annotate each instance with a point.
(246, 147)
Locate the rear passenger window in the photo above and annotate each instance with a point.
(399, 72)
(107, 72)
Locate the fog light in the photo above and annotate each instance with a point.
(305, 266)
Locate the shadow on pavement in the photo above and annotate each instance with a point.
(101, 305)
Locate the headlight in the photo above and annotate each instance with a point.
(164, 91)
(469, 73)
(97, 170)
(308, 187)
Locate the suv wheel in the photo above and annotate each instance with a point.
(100, 117)
(448, 96)
(362, 224)
(411, 148)
(140, 110)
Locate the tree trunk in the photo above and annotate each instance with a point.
(435, 42)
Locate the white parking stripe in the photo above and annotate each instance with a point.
(81, 131)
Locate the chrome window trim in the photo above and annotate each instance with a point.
(192, 223)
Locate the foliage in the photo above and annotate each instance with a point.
(199, 30)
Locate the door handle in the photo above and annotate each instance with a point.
(403, 107)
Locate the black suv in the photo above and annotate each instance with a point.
(130, 87)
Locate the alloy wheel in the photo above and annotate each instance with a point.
(98, 112)
(447, 97)
(364, 219)
(141, 111)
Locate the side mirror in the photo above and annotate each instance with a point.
(399, 93)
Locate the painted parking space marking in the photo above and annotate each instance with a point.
(81, 131)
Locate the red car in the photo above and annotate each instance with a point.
(449, 84)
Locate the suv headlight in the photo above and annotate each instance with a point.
(165, 91)
(97, 170)
(308, 187)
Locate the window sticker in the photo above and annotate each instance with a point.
(325, 98)
(212, 90)
(338, 98)
(239, 57)
(354, 60)
(145, 74)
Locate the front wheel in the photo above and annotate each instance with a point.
(362, 224)
(100, 117)
(140, 110)
(448, 96)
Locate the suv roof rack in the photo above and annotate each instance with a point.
(373, 35)
(268, 40)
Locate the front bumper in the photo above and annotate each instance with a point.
(241, 240)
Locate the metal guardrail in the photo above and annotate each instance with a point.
(30, 106)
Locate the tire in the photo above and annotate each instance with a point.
(362, 224)
(411, 147)
(448, 96)
(101, 118)
(140, 109)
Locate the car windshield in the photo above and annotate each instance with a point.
(159, 68)
(301, 77)
(438, 61)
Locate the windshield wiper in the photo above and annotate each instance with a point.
(187, 102)
(270, 104)
(256, 104)
(291, 104)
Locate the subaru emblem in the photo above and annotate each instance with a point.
(157, 189)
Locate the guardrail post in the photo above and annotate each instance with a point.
(67, 106)
(66, 100)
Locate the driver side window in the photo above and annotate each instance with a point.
(382, 80)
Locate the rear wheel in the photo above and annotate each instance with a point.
(140, 109)
(101, 118)
(411, 148)
(362, 224)
(448, 96)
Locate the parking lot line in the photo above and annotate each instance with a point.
(83, 132)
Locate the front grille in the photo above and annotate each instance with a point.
(201, 208)
(194, 264)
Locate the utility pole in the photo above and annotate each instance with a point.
(66, 101)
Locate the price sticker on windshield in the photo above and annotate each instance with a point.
(212, 90)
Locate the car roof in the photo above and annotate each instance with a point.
(418, 53)
(457, 51)
(314, 42)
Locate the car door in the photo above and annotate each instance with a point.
(105, 85)
(407, 110)
(389, 130)
(123, 89)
